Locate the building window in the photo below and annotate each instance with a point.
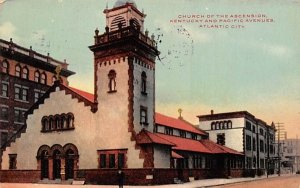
(143, 83)
(12, 161)
(254, 144)
(24, 94)
(54, 79)
(143, 115)
(19, 116)
(168, 131)
(4, 113)
(248, 125)
(4, 137)
(43, 78)
(217, 125)
(5, 66)
(248, 142)
(112, 158)
(112, 81)
(121, 158)
(194, 136)
(262, 163)
(229, 124)
(261, 131)
(253, 129)
(58, 122)
(21, 93)
(37, 76)
(18, 71)
(221, 139)
(155, 128)
(4, 87)
(213, 126)
(25, 73)
(261, 146)
(182, 133)
(102, 160)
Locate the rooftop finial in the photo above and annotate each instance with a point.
(180, 113)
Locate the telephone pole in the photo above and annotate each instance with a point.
(280, 128)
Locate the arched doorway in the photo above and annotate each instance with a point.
(71, 160)
(70, 164)
(45, 164)
(56, 164)
(43, 156)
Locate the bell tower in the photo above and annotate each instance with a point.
(124, 68)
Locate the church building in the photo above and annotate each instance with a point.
(74, 135)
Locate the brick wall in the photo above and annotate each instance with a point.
(20, 176)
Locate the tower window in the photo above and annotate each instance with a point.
(143, 116)
(117, 21)
(143, 83)
(112, 81)
(18, 71)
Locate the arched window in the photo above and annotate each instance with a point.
(213, 126)
(112, 81)
(5, 66)
(54, 79)
(51, 123)
(63, 122)
(45, 124)
(43, 78)
(18, 71)
(70, 120)
(25, 73)
(143, 83)
(37, 76)
(229, 124)
(217, 125)
(57, 122)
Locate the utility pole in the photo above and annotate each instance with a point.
(297, 157)
(279, 127)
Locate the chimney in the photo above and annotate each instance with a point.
(212, 112)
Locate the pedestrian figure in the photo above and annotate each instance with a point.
(120, 178)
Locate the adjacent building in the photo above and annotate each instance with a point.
(245, 133)
(291, 155)
(25, 76)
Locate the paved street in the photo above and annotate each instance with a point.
(275, 182)
(286, 181)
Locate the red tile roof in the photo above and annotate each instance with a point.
(176, 123)
(84, 94)
(146, 137)
(217, 148)
(185, 144)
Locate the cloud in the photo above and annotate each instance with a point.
(7, 31)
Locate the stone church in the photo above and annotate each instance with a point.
(72, 134)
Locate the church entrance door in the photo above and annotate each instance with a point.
(70, 164)
(56, 164)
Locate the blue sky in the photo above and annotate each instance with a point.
(255, 68)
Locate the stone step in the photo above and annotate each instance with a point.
(56, 181)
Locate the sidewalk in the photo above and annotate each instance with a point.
(192, 184)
